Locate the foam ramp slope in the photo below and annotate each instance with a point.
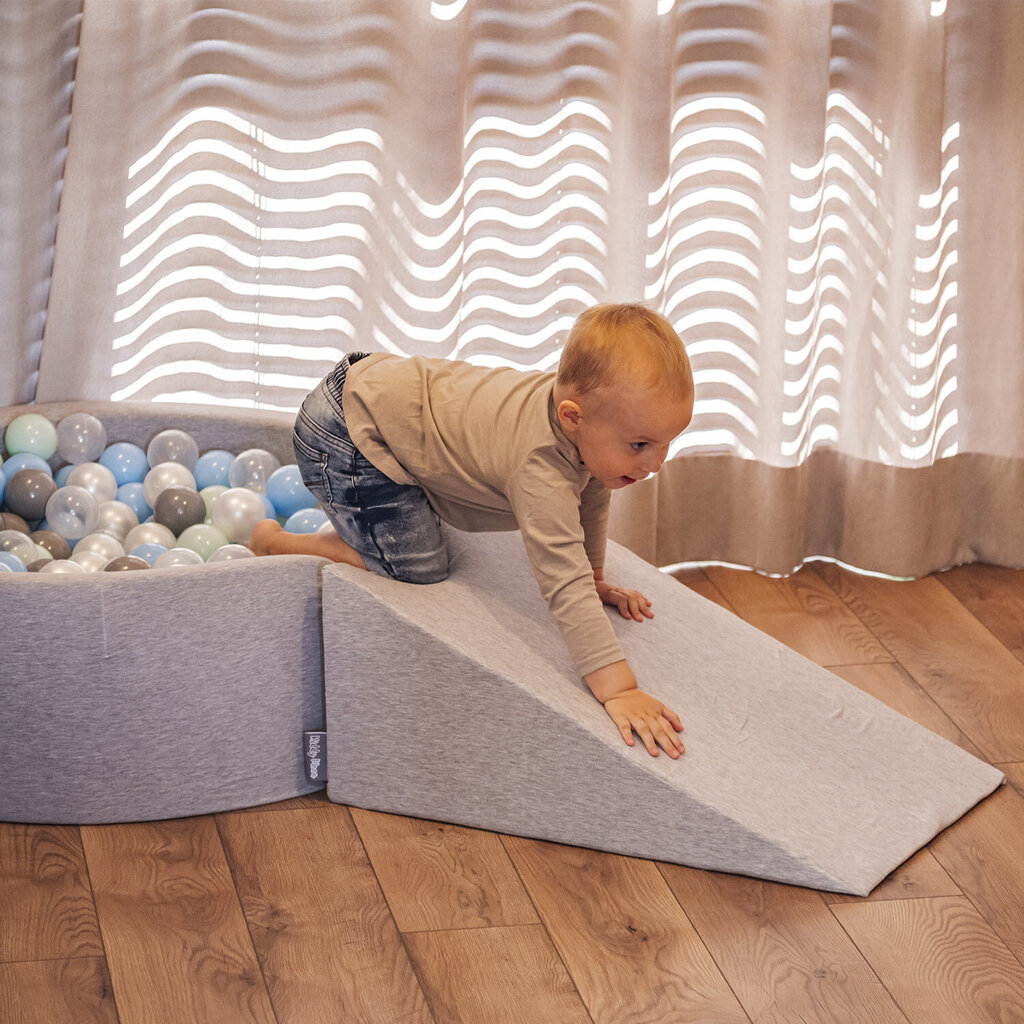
(458, 702)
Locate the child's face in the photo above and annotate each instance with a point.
(624, 436)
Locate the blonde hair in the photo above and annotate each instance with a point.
(614, 341)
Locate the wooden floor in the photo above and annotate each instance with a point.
(307, 911)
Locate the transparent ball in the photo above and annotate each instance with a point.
(96, 479)
(252, 469)
(81, 437)
(173, 446)
(72, 512)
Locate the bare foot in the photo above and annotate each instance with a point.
(263, 536)
(269, 538)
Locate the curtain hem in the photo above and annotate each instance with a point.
(899, 521)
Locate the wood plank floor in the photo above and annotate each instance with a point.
(308, 911)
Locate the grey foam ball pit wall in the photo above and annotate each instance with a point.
(165, 693)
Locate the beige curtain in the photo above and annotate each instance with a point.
(819, 194)
(38, 47)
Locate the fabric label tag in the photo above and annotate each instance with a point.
(314, 749)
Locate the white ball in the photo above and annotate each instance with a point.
(230, 552)
(235, 512)
(116, 518)
(178, 558)
(149, 533)
(102, 544)
(90, 561)
(164, 475)
(63, 565)
(99, 481)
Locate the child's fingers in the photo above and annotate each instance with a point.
(677, 722)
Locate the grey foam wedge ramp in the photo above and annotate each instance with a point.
(458, 702)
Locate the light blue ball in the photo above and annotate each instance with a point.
(131, 494)
(268, 505)
(11, 563)
(3, 484)
(126, 461)
(148, 552)
(287, 491)
(306, 520)
(212, 468)
(25, 460)
(60, 478)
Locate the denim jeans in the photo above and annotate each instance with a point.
(391, 525)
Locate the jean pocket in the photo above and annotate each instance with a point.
(312, 463)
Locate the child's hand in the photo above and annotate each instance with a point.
(631, 603)
(654, 723)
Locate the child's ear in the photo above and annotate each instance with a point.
(569, 415)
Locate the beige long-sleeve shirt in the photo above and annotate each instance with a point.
(487, 449)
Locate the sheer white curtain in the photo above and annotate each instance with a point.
(819, 195)
(38, 47)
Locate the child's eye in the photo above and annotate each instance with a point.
(638, 446)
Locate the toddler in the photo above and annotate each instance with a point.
(389, 444)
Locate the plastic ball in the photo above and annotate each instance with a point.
(208, 494)
(72, 512)
(306, 520)
(63, 566)
(90, 561)
(212, 468)
(173, 446)
(37, 565)
(202, 538)
(287, 491)
(131, 494)
(96, 479)
(178, 508)
(252, 469)
(10, 562)
(9, 521)
(31, 432)
(230, 553)
(101, 543)
(116, 518)
(164, 475)
(125, 563)
(27, 493)
(3, 484)
(236, 512)
(126, 461)
(148, 533)
(52, 542)
(149, 552)
(25, 460)
(19, 545)
(178, 558)
(43, 554)
(60, 477)
(81, 437)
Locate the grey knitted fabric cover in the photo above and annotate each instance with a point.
(142, 695)
(458, 702)
(170, 692)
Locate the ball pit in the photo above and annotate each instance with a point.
(159, 692)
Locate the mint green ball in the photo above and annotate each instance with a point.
(202, 538)
(208, 494)
(33, 433)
